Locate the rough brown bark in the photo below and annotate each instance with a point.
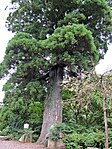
(53, 104)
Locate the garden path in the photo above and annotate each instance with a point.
(19, 145)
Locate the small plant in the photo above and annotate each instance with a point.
(5, 131)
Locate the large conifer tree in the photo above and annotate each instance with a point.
(50, 36)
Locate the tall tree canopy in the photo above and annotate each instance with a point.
(50, 36)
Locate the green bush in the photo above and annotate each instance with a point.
(81, 140)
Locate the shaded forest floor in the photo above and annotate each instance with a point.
(19, 145)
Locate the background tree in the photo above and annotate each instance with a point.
(87, 111)
(51, 36)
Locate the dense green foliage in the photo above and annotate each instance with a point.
(66, 33)
(83, 112)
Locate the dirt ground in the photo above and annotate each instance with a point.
(19, 145)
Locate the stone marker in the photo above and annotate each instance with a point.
(3, 138)
(60, 145)
(55, 144)
(26, 138)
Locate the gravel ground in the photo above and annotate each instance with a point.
(19, 145)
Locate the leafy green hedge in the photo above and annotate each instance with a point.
(83, 140)
(89, 138)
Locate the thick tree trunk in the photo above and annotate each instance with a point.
(53, 104)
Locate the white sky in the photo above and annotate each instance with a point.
(106, 63)
(5, 36)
